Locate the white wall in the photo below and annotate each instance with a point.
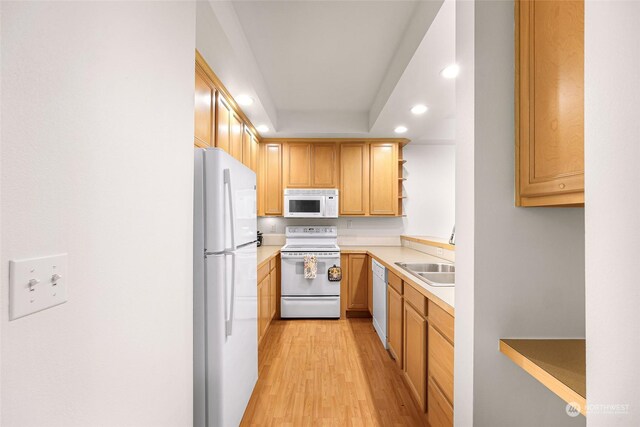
(96, 158)
(430, 203)
(431, 188)
(612, 132)
(526, 264)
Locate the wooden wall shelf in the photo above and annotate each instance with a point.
(559, 364)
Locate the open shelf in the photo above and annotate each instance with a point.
(559, 364)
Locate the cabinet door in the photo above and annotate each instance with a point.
(205, 98)
(223, 130)
(354, 178)
(357, 282)
(383, 187)
(297, 161)
(263, 307)
(394, 324)
(273, 293)
(369, 286)
(254, 154)
(550, 102)
(236, 137)
(247, 147)
(440, 363)
(440, 410)
(272, 192)
(415, 354)
(324, 165)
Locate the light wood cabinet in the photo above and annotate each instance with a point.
(549, 103)
(271, 194)
(223, 122)
(250, 150)
(310, 165)
(440, 410)
(204, 109)
(383, 179)
(354, 178)
(263, 307)
(297, 165)
(235, 140)
(395, 324)
(357, 296)
(369, 285)
(273, 293)
(415, 353)
(324, 165)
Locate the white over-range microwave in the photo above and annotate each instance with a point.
(310, 203)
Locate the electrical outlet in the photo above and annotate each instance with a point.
(273, 228)
(440, 252)
(36, 284)
(349, 223)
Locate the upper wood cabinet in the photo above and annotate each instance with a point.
(223, 122)
(270, 193)
(235, 140)
(383, 179)
(297, 165)
(549, 103)
(204, 109)
(310, 165)
(324, 165)
(354, 178)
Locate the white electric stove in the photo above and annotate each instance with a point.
(309, 298)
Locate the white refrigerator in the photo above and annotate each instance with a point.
(225, 289)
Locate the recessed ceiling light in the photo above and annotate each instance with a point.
(400, 129)
(451, 72)
(263, 128)
(244, 100)
(419, 109)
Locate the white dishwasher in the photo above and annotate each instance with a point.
(380, 300)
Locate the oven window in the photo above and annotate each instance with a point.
(304, 206)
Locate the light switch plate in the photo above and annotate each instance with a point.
(36, 284)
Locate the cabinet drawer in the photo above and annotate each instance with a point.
(442, 320)
(440, 411)
(440, 362)
(263, 272)
(416, 299)
(394, 281)
(272, 263)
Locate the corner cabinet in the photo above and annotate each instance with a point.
(549, 91)
(383, 179)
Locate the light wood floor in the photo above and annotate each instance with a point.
(328, 372)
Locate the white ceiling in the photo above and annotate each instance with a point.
(323, 55)
(342, 68)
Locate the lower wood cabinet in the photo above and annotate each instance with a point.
(357, 282)
(263, 307)
(394, 324)
(440, 410)
(415, 353)
(268, 295)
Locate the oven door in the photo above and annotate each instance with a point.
(293, 282)
(304, 206)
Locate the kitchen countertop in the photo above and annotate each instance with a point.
(389, 255)
(266, 253)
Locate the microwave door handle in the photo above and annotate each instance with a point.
(227, 183)
(323, 201)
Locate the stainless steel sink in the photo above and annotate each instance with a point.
(434, 274)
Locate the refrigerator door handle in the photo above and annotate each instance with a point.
(229, 312)
(227, 183)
